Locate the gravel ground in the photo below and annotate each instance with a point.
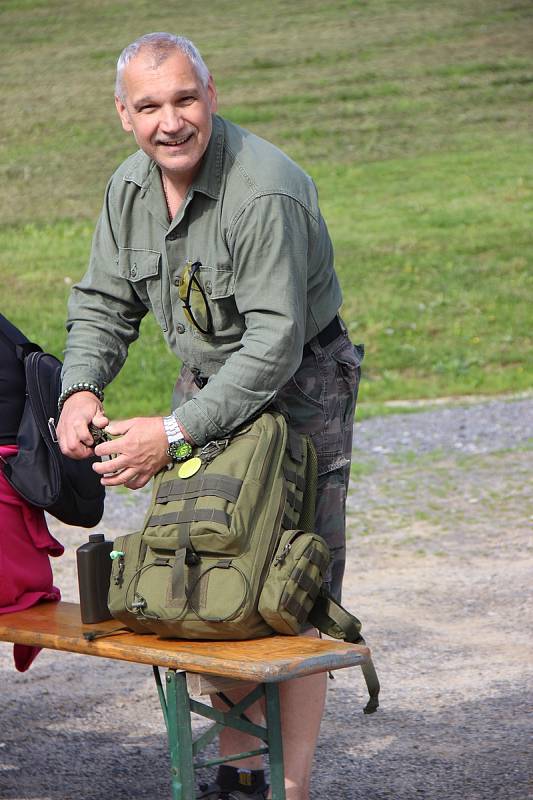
(439, 570)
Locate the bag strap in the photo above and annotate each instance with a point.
(16, 339)
(334, 620)
(307, 515)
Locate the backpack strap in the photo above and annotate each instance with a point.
(307, 514)
(16, 339)
(23, 350)
(332, 619)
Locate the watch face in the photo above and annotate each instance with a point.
(179, 451)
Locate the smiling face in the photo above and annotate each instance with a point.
(168, 109)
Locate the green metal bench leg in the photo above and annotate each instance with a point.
(275, 745)
(180, 736)
(177, 707)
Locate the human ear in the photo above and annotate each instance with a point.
(212, 95)
(123, 114)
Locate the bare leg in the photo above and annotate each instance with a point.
(302, 705)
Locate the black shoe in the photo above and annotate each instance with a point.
(212, 791)
(208, 791)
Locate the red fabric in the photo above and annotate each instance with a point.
(25, 546)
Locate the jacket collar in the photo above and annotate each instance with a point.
(209, 176)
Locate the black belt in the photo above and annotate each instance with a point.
(326, 335)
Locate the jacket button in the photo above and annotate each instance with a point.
(180, 328)
(177, 280)
(208, 287)
(133, 270)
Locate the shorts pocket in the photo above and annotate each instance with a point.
(348, 360)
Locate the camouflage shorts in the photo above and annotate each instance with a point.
(319, 400)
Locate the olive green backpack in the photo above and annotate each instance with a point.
(227, 549)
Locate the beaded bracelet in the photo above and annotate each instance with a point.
(78, 387)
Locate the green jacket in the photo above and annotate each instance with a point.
(252, 219)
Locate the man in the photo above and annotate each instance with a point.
(219, 234)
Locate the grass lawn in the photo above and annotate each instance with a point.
(414, 118)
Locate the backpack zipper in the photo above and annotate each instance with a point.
(286, 549)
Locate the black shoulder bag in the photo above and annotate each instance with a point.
(66, 488)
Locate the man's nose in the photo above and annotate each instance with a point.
(171, 119)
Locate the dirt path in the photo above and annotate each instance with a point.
(439, 570)
(443, 580)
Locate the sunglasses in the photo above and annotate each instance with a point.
(192, 295)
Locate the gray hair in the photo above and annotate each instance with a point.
(160, 45)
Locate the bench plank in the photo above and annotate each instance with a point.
(58, 626)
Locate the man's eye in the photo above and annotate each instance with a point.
(186, 101)
(146, 109)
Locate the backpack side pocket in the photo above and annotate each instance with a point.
(293, 581)
(124, 577)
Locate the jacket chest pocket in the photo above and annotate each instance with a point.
(219, 287)
(142, 268)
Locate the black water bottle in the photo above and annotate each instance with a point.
(94, 572)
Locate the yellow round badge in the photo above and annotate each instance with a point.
(190, 467)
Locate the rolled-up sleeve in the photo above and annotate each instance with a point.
(271, 242)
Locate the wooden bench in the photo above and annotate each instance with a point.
(194, 668)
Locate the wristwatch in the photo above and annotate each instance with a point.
(178, 448)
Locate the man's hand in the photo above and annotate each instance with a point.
(140, 452)
(79, 410)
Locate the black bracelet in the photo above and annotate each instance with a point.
(79, 387)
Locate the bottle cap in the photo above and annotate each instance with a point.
(96, 537)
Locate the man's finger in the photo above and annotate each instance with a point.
(118, 464)
(100, 419)
(138, 481)
(123, 478)
(76, 445)
(108, 448)
(118, 479)
(119, 427)
(77, 450)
